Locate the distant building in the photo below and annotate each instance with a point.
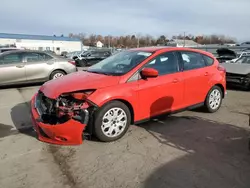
(54, 43)
(99, 44)
(182, 43)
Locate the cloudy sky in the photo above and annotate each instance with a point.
(121, 17)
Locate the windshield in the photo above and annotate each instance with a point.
(244, 60)
(120, 63)
(85, 53)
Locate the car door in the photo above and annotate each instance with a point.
(12, 69)
(196, 77)
(38, 66)
(163, 93)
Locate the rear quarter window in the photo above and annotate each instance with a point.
(209, 61)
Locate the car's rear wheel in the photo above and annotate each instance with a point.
(57, 74)
(112, 121)
(214, 99)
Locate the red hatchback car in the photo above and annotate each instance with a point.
(127, 88)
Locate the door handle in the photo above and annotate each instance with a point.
(206, 74)
(175, 80)
(20, 66)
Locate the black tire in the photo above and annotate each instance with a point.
(207, 105)
(99, 118)
(54, 73)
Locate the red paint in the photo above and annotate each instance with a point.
(149, 73)
(71, 130)
(147, 97)
(77, 81)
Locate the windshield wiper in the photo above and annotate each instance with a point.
(96, 72)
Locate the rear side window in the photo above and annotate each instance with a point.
(35, 57)
(46, 56)
(209, 60)
(192, 60)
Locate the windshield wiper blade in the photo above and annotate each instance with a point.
(96, 72)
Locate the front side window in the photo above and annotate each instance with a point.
(166, 63)
(11, 58)
(192, 60)
(120, 63)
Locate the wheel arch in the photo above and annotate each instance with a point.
(127, 103)
(222, 89)
(57, 70)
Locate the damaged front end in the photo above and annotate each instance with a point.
(63, 120)
(240, 79)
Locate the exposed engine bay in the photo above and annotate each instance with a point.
(65, 107)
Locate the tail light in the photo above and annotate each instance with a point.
(72, 62)
(221, 68)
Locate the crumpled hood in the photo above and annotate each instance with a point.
(77, 81)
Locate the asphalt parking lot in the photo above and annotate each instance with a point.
(189, 149)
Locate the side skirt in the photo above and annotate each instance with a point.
(170, 112)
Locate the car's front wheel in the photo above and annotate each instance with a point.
(214, 99)
(112, 121)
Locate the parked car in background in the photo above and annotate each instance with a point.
(238, 72)
(126, 88)
(24, 66)
(71, 55)
(224, 54)
(8, 49)
(79, 54)
(239, 55)
(91, 57)
(50, 52)
(64, 53)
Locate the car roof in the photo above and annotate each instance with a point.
(166, 48)
(15, 51)
(6, 48)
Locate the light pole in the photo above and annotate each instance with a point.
(184, 43)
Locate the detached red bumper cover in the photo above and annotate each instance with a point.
(68, 133)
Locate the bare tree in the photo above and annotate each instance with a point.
(138, 40)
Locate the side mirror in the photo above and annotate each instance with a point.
(149, 73)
